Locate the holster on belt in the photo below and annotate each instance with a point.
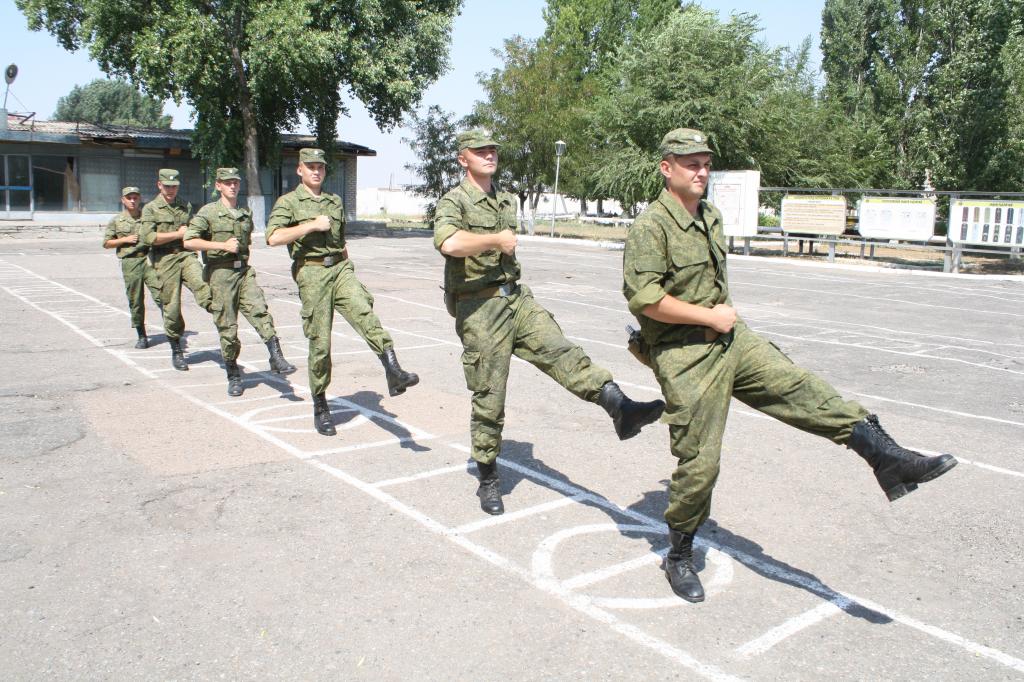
(637, 345)
(450, 299)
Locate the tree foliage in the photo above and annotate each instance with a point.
(937, 78)
(111, 102)
(254, 67)
(434, 144)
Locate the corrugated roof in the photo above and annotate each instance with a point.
(22, 128)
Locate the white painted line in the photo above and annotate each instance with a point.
(518, 514)
(359, 419)
(210, 385)
(276, 396)
(938, 409)
(758, 646)
(594, 577)
(420, 476)
(366, 446)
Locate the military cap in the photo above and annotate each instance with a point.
(312, 155)
(125, 191)
(475, 138)
(228, 174)
(684, 141)
(169, 176)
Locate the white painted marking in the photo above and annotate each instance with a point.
(420, 476)
(508, 517)
(758, 646)
(602, 574)
(938, 409)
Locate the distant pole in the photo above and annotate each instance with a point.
(559, 150)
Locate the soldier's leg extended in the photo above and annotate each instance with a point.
(134, 272)
(487, 330)
(355, 303)
(152, 283)
(316, 286)
(253, 305)
(767, 380)
(192, 277)
(225, 286)
(541, 342)
(696, 381)
(169, 271)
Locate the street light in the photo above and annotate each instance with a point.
(559, 150)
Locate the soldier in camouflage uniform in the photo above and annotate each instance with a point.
(675, 282)
(123, 234)
(163, 224)
(312, 223)
(223, 232)
(495, 317)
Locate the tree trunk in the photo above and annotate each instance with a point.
(251, 146)
(583, 206)
(600, 207)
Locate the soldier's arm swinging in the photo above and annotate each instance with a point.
(121, 241)
(286, 235)
(464, 243)
(671, 310)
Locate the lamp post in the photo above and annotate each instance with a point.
(559, 150)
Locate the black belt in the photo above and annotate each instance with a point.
(239, 264)
(160, 251)
(507, 289)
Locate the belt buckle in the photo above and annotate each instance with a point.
(506, 289)
(237, 265)
(328, 261)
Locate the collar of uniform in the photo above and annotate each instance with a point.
(304, 194)
(683, 216)
(476, 195)
(159, 201)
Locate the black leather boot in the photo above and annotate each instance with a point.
(177, 356)
(679, 570)
(322, 419)
(143, 341)
(278, 365)
(897, 469)
(235, 387)
(489, 491)
(628, 415)
(398, 378)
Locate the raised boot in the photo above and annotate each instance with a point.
(489, 491)
(143, 341)
(897, 469)
(398, 378)
(177, 356)
(628, 415)
(322, 419)
(278, 365)
(679, 569)
(234, 378)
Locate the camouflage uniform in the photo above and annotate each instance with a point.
(496, 318)
(232, 281)
(173, 263)
(326, 279)
(670, 252)
(135, 267)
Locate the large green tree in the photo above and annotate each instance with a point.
(936, 76)
(434, 143)
(111, 102)
(252, 68)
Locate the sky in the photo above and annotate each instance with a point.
(47, 72)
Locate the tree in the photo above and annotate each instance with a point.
(112, 103)
(253, 68)
(434, 143)
(936, 77)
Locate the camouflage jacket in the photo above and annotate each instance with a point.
(467, 208)
(159, 216)
(670, 252)
(216, 222)
(123, 225)
(300, 206)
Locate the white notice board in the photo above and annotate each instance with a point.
(734, 193)
(813, 214)
(897, 218)
(989, 223)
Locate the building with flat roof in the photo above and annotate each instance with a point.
(61, 171)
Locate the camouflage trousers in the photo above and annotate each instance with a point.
(138, 272)
(235, 291)
(174, 270)
(698, 381)
(322, 291)
(492, 330)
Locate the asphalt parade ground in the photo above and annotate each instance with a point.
(155, 528)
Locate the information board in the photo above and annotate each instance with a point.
(897, 218)
(813, 214)
(986, 223)
(734, 193)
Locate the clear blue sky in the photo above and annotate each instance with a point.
(47, 72)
